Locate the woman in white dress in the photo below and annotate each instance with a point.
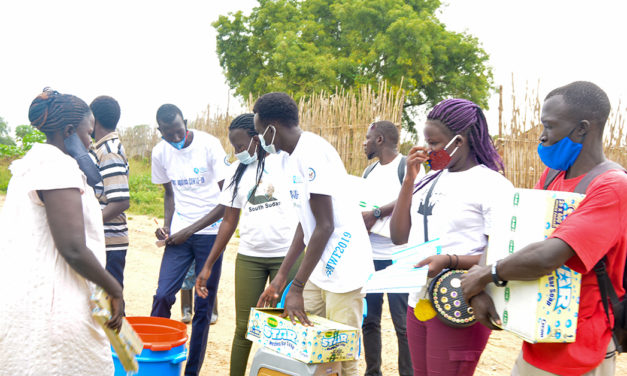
(53, 252)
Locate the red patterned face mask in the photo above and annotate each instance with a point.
(439, 160)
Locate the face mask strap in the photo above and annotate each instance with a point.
(255, 152)
(273, 135)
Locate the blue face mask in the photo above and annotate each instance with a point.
(270, 149)
(562, 154)
(245, 158)
(178, 145)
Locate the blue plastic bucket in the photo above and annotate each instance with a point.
(164, 347)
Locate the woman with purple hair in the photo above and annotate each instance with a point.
(455, 202)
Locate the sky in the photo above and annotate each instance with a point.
(146, 53)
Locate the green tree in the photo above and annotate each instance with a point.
(28, 135)
(306, 46)
(5, 137)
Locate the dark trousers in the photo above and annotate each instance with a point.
(174, 266)
(441, 350)
(116, 260)
(371, 329)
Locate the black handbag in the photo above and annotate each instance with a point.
(445, 293)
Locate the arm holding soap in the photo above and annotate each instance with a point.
(530, 263)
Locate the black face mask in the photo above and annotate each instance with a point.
(76, 149)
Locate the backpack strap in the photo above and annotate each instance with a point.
(606, 288)
(605, 284)
(599, 169)
(369, 169)
(401, 169)
(550, 176)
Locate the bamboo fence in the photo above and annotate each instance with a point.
(343, 117)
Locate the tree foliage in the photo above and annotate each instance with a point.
(26, 136)
(5, 137)
(306, 46)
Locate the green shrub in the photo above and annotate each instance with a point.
(5, 174)
(26, 137)
(146, 198)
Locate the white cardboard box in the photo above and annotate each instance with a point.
(544, 310)
(324, 342)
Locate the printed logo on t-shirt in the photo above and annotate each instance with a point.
(294, 194)
(312, 174)
(264, 197)
(188, 182)
(226, 161)
(297, 179)
(267, 194)
(200, 170)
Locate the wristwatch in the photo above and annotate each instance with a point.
(377, 213)
(495, 278)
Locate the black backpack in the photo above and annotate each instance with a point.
(619, 306)
(401, 169)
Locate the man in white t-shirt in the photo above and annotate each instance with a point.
(338, 260)
(191, 165)
(384, 177)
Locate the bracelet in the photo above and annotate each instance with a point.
(456, 261)
(298, 283)
(495, 278)
(450, 262)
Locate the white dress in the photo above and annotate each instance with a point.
(45, 312)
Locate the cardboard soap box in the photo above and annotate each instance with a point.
(326, 341)
(545, 310)
(126, 343)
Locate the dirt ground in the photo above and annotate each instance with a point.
(142, 269)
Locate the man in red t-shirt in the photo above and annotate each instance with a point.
(573, 118)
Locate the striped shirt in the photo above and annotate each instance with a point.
(114, 187)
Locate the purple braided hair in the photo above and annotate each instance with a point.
(461, 115)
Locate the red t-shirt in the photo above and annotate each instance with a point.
(598, 227)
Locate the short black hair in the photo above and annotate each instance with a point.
(388, 130)
(586, 100)
(167, 113)
(277, 107)
(106, 111)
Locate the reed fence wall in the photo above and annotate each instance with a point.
(519, 136)
(342, 118)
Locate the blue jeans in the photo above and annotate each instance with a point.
(174, 266)
(116, 260)
(371, 329)
(190, 278)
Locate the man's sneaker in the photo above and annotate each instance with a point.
(214, 318)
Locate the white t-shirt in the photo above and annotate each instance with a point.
(462, 207)
(194, 172)
(314, 167)
(383, 179)
(268, 220)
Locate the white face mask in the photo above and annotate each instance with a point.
(270, 149)
(245, 157)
